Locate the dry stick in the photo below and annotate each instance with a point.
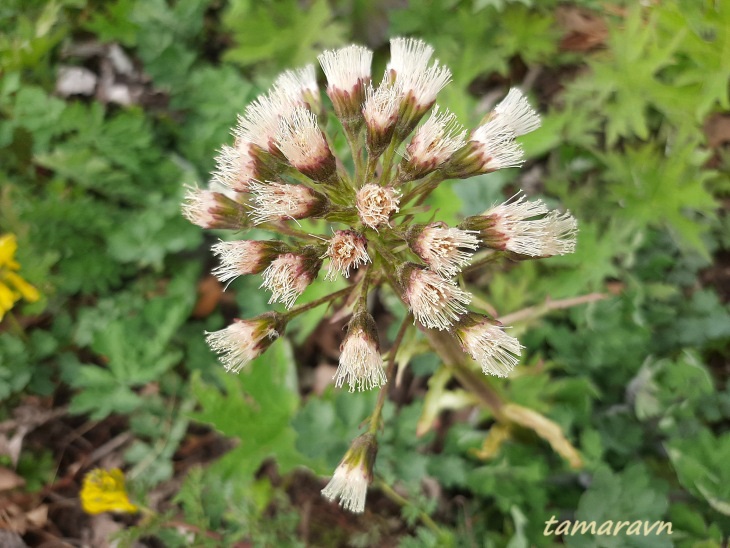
(548, 305)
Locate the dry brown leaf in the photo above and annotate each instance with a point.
(496, 436)
(584, 30)
(209, 294)
(9, 479)
(717, 130)
(546, 429)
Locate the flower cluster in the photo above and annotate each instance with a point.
(282, 169)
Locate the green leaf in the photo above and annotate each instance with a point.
(700, 465)
(256, 408)
(631, 496)
(280, 33)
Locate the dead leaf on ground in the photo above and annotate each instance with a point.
(209, 294)
(717, 130)
(9, 479)
(584, 29)
(26, 418)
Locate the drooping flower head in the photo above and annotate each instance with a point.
(245, 340)
(350, 481)
(262, 118)
(490, 147)
(302, 84)
(242, 257)
(380, 111)
(272, 201)
(305, 146)
(417, 83)
(515, 112)
(486, 342)
(209, 209)
(361, 365)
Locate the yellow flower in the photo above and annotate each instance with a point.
(12, 286)
(104, 491)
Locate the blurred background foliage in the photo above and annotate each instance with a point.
(107, 108)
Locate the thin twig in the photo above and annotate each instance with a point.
(541, 309)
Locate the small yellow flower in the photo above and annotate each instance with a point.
(104, 491)
(12, 286)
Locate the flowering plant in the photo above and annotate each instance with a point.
(282, 169)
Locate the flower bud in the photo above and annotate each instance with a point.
(305, 146)
(234, 167)
(381, 114)
(289, 275)
(244, 340)
(525, 227)
(261, 119)
(515, 113)
(348, 74)
(375, 204)
(245, 257)
(347, 249)
(360, 362)
(209, 209)
(353, 475)
(418, 84)
(486, 342)
(434, 301)
(281, 201)
(433, 144)
(490, 147)
(442, 248)
(302, 85)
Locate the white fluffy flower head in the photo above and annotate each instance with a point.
(288, 276)
(445, 250)
(361, 365)
(375, 204)
(435, 302)
(244, 340)
(347, 250)
(486, 342)
(350, 481)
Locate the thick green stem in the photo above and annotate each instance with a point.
(355, 142)
(427, 185)
(388, 162)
